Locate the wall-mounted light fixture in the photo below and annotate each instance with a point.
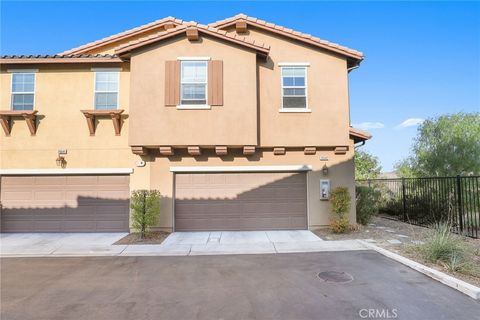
(61, 162)
(325, 170)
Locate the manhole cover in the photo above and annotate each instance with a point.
(335, 276)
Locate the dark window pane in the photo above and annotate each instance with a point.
(199, 102)
(294, 102)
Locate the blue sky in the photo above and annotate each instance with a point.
(422, 59)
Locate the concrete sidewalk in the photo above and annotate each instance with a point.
(177, 244)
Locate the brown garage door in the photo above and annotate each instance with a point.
(240, 201)
(87, 203)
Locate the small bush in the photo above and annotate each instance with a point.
(340, 225)
(145, 205)
(367, 203)
(442, 246)
(340, 200)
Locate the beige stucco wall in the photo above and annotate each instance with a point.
(61, 91)
(327, 96)
(341, 172)
(154, 124)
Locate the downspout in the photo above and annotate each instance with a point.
(359, 145)
(352, 68)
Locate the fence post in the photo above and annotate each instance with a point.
(460, 205)
(404, 200)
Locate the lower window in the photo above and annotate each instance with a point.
(294, 88)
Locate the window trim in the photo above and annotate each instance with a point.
(13, 72)
(303, 65)
(186, 106)
(104, 70)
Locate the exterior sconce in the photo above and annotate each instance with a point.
(325, 170)
(61, 162)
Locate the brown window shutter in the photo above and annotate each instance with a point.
(215, 82)
(172, 83)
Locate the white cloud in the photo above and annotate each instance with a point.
(369, 125)
(411, 122)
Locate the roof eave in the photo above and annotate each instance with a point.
(125, 50)
(120, 36)
(12, 61)
(351, 55)
(359, 135)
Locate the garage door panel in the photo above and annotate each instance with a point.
(47, 225)
(19, 181)
(240, 201)
(64, 204)
(54, 195)
(17, 195)
(18, 225)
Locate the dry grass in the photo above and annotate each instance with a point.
(412, 245)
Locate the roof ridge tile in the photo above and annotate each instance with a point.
(299, 35)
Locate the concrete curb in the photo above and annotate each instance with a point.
(457, 284)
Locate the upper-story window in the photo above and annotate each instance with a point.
(294, 87)
(193, 81)
(106, 90)
(23, 90)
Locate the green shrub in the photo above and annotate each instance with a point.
(145, 206)
(340, 200)
(367, 203)
(340, 225)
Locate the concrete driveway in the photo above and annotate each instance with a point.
(44, 244)
(271, 286)
(177, 244)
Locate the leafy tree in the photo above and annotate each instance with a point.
(367, 166)
(404, 169)
(145, 205)
(445, 146)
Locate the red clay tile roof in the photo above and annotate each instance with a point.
(56, 58)
(240, 40)
(289, 33)
(359, 135)
(122, 35)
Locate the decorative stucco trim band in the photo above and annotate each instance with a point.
(19, 172)
(302, 167)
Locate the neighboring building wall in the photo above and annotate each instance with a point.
(154, 124)
(61, 91)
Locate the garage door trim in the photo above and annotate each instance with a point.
(38, 172)
(226, 169)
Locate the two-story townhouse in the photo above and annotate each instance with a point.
(241, 125)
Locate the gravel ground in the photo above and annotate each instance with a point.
(402, 238)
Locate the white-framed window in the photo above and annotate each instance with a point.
(23, 90)
(193, 83)
(106, 89)
(294, 88)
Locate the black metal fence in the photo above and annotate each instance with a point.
(427, 201)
